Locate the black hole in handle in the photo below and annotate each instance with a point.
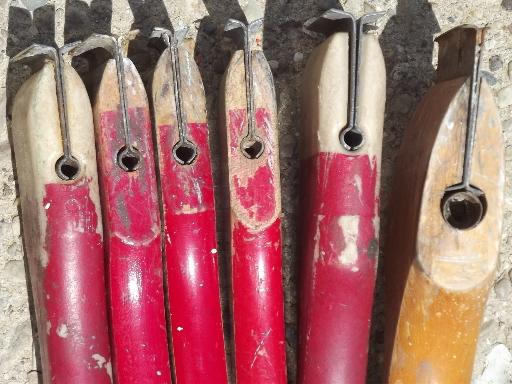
(252, 148)
(185, 153)
(352, 139)
(463, 209)
(67, 168)
(129, 159)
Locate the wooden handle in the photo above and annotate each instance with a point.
(340, 213)
(130, 206)
(438, 275)
(256, 261)
(62, 230)
(189, 217)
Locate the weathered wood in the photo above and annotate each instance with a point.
(340, 213)
(62, 230)
(190, 231)
(438, 276)
(254, 190)
(132, 231)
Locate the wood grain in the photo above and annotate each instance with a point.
(339, 221)
(255, 225)
(62, 229)
(132, 233)
(437, 276)
(189, 216)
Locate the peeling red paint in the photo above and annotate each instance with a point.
(336, 293)
(73, 324)
(191, 254)
(258, 306)
(135, 275)
(256, 192)
(252, 197)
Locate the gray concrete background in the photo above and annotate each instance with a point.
(407, 34)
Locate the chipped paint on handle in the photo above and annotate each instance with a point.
(191, 253)
(258, 304)
(62, 229)
(339, 221)
(256, 256)
(73, 285)
(339, 244)
(190, 228)
(132, 232)
(256, 260)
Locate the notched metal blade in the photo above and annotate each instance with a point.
(232, 24)
(69, 47)
(176, 38)
(337, 14)
(158, 32)
(331, 21)
(34, 53)
(255, 25)
(336, 20)
(371, 17)
(95, 41)
(35, 56)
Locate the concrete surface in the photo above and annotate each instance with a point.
(407, 40)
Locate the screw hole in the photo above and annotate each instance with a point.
(67, 168)
(185, 153)
(352, 139)
(128, 158)
(463, 209)
(252, 148)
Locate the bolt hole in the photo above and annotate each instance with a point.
(129, 159)
(252, 148)
(352, 139)
(67, 168)
(463, 209)
(185, 153)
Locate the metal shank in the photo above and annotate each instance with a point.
(463, 194)
(112, 45)
(172, 40)
(251, 138)
(328, 23)
(34, 53)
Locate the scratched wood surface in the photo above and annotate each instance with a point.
(62, 229)
(438, 277)
(132, 232)
(240, 167)
(339, 208)
(189, 224)
(255, 222)
(325, 78)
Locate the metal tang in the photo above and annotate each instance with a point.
(252, 145)
(128, 158)
(184, 151)
(352, 135)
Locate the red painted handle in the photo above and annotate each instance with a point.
(73, 301)
(132, 225)
(258, 306)
(339, 246)
(191, 253)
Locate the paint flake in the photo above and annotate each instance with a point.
(350, 227)
(100, 360)
(62, 331)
